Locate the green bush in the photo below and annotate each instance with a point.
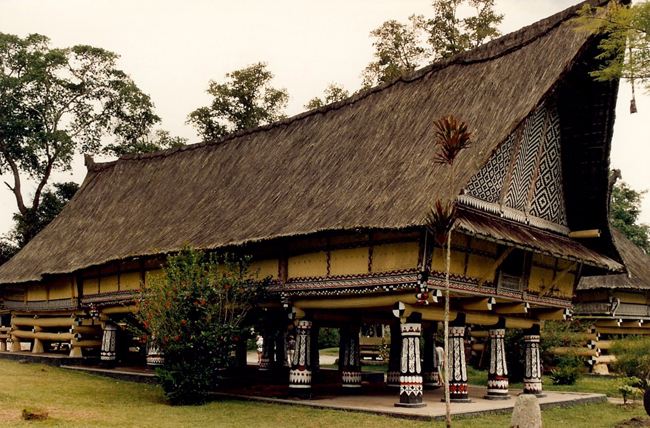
(630, 388)
(633, 357)
(567, 370)
(196, 313)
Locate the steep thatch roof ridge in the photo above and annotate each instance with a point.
(637, 264)
(485, 52)
(364, 163)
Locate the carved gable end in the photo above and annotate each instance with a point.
(523, 178)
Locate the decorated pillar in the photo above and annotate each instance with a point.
(155, 356)
(430, 363)
(314, 351)
(457, 365)
(350, 361)
(300, 373)
(410, 373)
(497, 384)
(392, 377)
(533, 365)
(108, 352)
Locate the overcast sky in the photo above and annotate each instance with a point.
(173, 48)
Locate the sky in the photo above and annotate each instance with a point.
(173, 48)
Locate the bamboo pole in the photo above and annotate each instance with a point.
(86, 343)
(43, 322)
(606, 359)
(120, 310)
(582, 352)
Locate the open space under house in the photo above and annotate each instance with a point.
(332, 205)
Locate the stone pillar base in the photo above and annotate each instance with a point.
(489, 396)
(411, 405)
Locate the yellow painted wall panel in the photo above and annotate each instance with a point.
(389, 257)
(543, 260)
(36, 292)
(261, 269)
(349, 261)
(479, 266)
(565, 285)
(108, 284)
(307, 265)
(90, 286)
(61, 289)
(456, 265)
(627, 297)
(130, 281)
(540, 279)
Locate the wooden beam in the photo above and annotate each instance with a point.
(609, 323)
(43, 322)
(619, 330)
(632, 324)
(482, 304)
(498, 262)
(555, 314)
(520, 323)
(582, 352)
(120, 309)
(512, 308)
(355, 302)
(588, 233)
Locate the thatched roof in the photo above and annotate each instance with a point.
(637, 264)
(363, 163)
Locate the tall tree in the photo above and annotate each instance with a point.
(400, 48)
(624, 211)
(332, 94)
(245, 100)
(55, 103)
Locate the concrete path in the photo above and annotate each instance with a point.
(435, 408)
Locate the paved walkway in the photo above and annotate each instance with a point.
(435, 409)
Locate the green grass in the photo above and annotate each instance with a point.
(81, 400)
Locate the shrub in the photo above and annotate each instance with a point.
(196, 312)
(633, 357)
(629, 388)
(567, 370)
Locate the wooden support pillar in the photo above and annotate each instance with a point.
(430, 363)
(314, 352)
(497, 385)
(37, 345)
(410, 375)
(350, 361)
(300, 375)
(457, 371)
(268, 349)
(155, 356)
(108, 351)
(533, 363)
(392, 377)
(281, 347)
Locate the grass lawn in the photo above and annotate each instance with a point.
(81, 400)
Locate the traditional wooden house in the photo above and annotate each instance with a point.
(333, 204)
(617, 304)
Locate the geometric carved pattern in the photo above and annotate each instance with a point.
(525, 172)
(487, 183)
(548, 200)
(525, 162)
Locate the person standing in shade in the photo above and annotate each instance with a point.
(259, 342)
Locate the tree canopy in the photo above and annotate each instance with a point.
(245, 100)
(402, 47)
(625, 47)
(55, 103)
(625, 208)
(332, 94)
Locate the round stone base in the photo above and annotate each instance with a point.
(496, 397)
(411, 405)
